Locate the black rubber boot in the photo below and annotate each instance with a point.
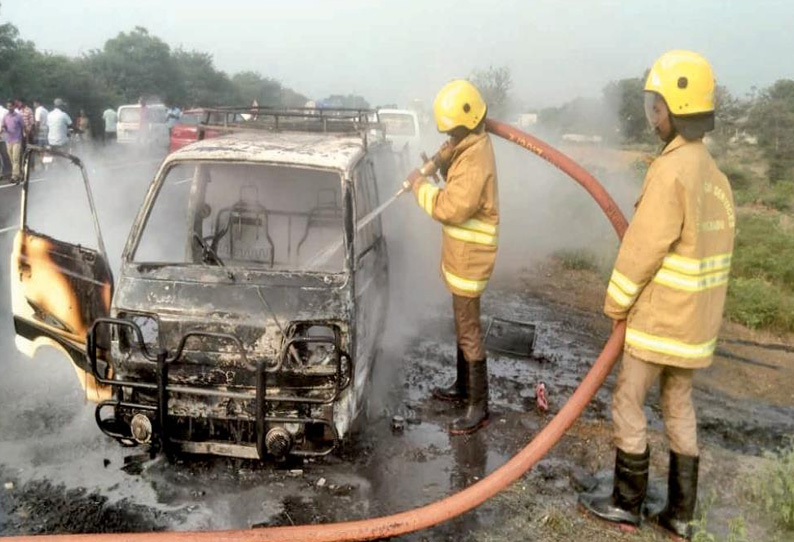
(682, 488)
(455, 392)
(476, 415)
(624, 505)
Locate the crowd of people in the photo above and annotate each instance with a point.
(22, 125)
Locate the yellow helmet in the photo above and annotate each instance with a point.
(459, 103)
(685, 80)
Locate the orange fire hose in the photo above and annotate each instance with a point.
(474, 495)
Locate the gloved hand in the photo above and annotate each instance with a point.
(413, 178)
(440, 160)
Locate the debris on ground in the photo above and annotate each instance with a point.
(397, 424)
(540, 397)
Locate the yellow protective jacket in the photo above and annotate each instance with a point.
(468, 209)
(671, 274)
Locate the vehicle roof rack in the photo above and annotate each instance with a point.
(339, 120)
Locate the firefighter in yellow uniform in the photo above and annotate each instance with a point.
(468, 210)
(669, 283)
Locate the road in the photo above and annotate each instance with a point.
(60, 474)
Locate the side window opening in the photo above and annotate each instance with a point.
(366, 201)
(374, 199)
(47, 192)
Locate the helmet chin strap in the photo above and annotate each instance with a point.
(671, 136)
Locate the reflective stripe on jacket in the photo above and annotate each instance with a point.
(468, 210)
(671, 274)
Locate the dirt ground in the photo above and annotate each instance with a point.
(59, 474)
(738, 397)
(381, 472)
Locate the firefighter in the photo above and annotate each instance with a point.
(468, 210)
(669, 282)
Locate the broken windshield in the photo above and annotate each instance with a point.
(245, 215)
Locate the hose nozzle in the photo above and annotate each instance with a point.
(430, 166)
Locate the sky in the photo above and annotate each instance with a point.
(399, 51)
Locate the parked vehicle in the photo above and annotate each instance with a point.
(247, 313)
(155, 127)
(186, 131)
(401, 127)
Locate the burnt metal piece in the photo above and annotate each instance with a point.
(398, 424)
(162, 398)
(278, 442)
(511, 337)
(162, 388)
(141, 427)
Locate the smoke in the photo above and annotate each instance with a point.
(542, 211)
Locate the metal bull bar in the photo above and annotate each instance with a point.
(163, 388)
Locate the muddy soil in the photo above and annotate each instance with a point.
(67, 477)
(59, 474)
(39, 507)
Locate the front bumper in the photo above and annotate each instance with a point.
(272, 412)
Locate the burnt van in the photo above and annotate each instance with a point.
(246, 315)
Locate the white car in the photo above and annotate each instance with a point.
(156, 132)
(401, 127)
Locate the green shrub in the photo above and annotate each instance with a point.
(763, 249)
(780, 197)
(775, 488)
(746, 197)
(578, 259)
(739, 177)
(737, 530)
(780, 169)
(752, 302)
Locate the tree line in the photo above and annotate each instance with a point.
(137, 64)
(764, 116)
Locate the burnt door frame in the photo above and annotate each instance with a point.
(58, 288)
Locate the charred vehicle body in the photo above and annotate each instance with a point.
(246, 316)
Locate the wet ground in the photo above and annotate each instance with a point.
(60, 474)
(52, 452)
(69, 478)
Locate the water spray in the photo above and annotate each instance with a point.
(429, 169)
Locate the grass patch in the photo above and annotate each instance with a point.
(737, 526)
(754, 182)
(761, 290)
(578, 260)
(530, 514)
(757, 304)
(779, 197)
(740, 178)
(749, 196)
(775, 489)
(764, 249)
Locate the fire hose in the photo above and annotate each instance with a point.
(474, 495)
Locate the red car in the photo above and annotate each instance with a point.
(185, 130)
